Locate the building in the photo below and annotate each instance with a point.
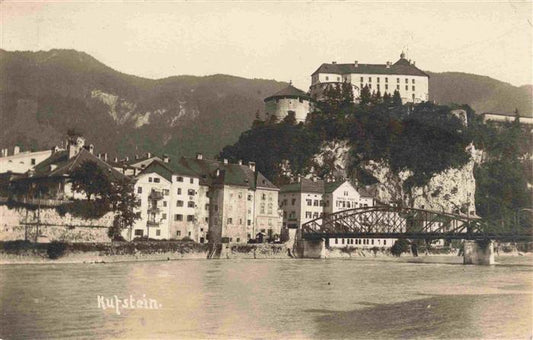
(20, 162)
(307, 199)
(51, 178)
(288, 100)
(505, 117)
(402, 76)
(243, 203)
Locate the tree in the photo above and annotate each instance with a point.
(346, 93)
(90, 179)
(124, 203)
(365, 97)
(387, 99)
(399, 247)
(396, 99)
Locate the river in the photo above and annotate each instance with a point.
(333, 298)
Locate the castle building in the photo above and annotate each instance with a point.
(20, 162)
(286, 101)
(402, 76)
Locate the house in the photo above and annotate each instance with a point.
(20, 162)
(286, 101)
(242, 202)
(402, 76)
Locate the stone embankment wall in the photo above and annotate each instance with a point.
(21, 223)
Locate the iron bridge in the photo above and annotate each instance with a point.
(410, 223)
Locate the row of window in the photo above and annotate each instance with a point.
(387, 87)
(166, 192)
(378, 79)
(360, 241)
(179, 217)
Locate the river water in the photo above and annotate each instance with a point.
(243, 299)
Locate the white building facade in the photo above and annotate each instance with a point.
(402, 76)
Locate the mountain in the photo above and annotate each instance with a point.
(482, 93)
(45, 93)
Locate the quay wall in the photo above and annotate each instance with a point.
(20, 223)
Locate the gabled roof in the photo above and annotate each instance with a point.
(229, 174)
(166, 170)
(305, 185)
(289, 92)
(401, 67)
(330, 187)
(65, 166)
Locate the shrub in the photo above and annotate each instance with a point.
(56, 249)
(17, 247)
(399, 247)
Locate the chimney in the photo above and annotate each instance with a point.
(252, 165)
(91, 148)
(388, 64)
(313, 179)
(225, 161)
(217, 172)
(166, 159)
(299, 179)
(148, 155)
(356, 63)
(99, 156)
(199, 156)
(115, 159)
(414, 63)
(239, 162)
(136, 156)
(334, 62)
(105, 156)
(16, 150)
(2, 153)
(127, 159)
(53, 167)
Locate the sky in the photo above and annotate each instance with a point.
(279, 40)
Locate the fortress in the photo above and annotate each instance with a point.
(403, 76)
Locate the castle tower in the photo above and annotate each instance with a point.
(288, 100)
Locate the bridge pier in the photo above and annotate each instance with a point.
(478, 252)
(310, 249)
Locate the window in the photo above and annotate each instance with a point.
(179, 179)
(336, 241)
(398, 87)
(386, 86)
(263, 197)
(386, 79)
(240, 221)
(157, 180)
(362, 79)
(33, 161)
(238, 239)
(166, 192)
(190, 218)
(378, 86)
(413, 80)
(150, 179)
(230, 220)
(139, 190)
(179, 203)
(192, 180)
(413, 88)
(327, 78)
(178, 233)
(406, 87)
(406, 81)
(190, 192)
(315, 203)
(249, 197)
(378, 79)
(164, 216)
(369, 86)
(308, 214)
(249, 222)
(190, 204)
(178, 217)
(164, 203)
(397, 80)
(207, 206)
(384, 242)
(338, 78)
(138, 232)
(309, 202)
(369, 79)
(179, 191)
(189, 234)
(293, 201)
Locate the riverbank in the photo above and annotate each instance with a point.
(21, 252)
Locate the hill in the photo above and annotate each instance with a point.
(482, 93)
(43, 94)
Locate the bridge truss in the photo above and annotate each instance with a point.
(411, 223)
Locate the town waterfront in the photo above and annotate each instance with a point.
(334, 298)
